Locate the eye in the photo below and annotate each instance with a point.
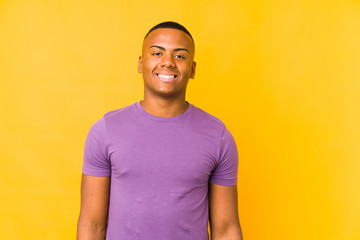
(157, 54)
(179, 56)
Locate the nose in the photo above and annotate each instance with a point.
(167, 61)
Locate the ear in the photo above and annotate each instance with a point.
(140, 64)
(193, 67)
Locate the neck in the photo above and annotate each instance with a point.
(164, 107)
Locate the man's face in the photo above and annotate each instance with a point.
(167, 62)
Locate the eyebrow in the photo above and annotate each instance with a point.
(176, 49)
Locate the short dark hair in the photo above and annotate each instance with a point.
(170, 24)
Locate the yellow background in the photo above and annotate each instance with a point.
(284, 76)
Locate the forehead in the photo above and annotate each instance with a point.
(168, 38)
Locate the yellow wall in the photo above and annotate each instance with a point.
(284, 76)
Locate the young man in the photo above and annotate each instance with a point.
(172, 166)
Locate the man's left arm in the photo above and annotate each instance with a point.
(223, 207)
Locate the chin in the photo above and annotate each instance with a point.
(166, 94)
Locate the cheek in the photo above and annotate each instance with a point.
(150, 65)
(186, 69)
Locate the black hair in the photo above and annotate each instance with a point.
(169, 24)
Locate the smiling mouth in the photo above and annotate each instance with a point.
(166, 77)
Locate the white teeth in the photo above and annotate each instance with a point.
(166, 76)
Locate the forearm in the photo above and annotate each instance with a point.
(90, 231)
(233, 233)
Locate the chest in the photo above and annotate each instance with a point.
(163, 156)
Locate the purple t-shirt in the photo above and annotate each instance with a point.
(160, 170)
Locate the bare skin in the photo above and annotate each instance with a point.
(168, 52)
(223, 207)
(94, 208)
(167, 63)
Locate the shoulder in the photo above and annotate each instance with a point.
(119, 116)
(207, 124)
(207, 118)
(120, 112)
(114, 118)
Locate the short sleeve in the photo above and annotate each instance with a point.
(225, 172)
(96, 161)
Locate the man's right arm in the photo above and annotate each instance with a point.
(92, 222)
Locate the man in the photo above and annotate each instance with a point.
(172, 166)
